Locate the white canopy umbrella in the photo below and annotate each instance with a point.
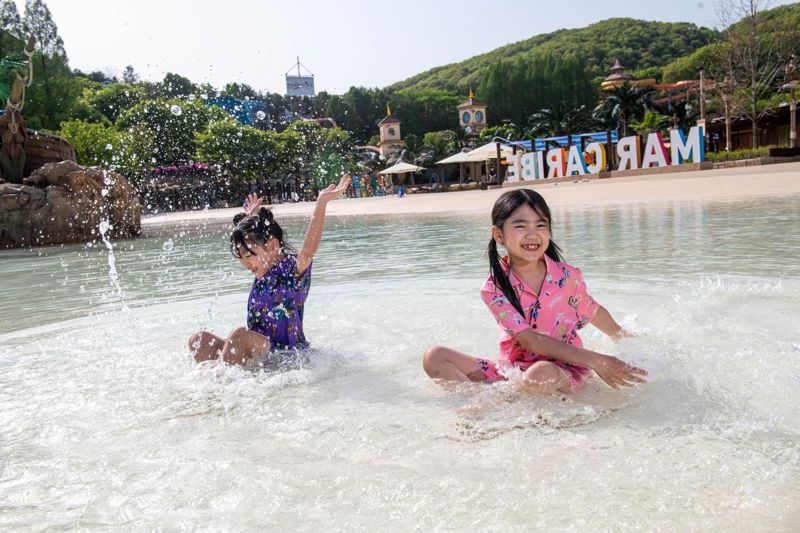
(482, 153)
(401, 167)
(489, 151)
(460, 157)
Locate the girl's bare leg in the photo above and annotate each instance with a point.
(441, 362)
(544, 377)
(242, 345)
(205, 346)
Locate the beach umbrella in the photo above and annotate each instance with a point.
(401, 167)
(488, 151)
(482, 153)
(460, 157)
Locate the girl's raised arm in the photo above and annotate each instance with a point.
(315, 227)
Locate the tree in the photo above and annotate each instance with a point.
(129, 75)
(241, 91)
(176, 86)
(629, 103)
(754, 54)
(97, 144)
(173, 124)
(244, 152)
(10, 28)
(116, 98)
(508, 130)
(520, 88)
(39, 22)
(54, 90)
(437, 145)
(560, 120)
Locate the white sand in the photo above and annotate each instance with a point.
(720, 184)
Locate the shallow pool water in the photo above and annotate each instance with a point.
(108, 424)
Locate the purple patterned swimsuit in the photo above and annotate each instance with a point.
(275, 305)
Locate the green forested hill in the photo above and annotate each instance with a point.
(638, 44)
(782, 22)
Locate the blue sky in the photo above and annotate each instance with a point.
(344, 43)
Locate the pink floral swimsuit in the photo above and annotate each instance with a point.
(562, 307)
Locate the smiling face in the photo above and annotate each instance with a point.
(260, 257)
(525, 235)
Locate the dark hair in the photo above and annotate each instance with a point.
(258, 228)
(503, 207)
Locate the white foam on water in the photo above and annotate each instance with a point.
(108, 423)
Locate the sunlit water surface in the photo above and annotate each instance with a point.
(108, 424)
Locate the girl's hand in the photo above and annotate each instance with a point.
(252, 204)
(616, 373)
(334, 191)
(622, 334)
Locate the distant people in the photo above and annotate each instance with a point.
(539, 303)
(280, 192)
(268, 193)
(279, 291)
(356, 189)
(400, 192)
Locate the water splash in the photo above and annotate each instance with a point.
(103, 227)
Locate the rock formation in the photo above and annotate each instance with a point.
(64, 203)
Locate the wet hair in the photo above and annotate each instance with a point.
(259, 228)
(503, 207)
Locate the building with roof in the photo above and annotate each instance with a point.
(390, 140)
(472, 114)
(619, 77)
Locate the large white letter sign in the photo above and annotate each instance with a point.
(598, 152)
(628, 150)
(528, 166)
(655, 153)
(683, 149)
(555, 160)
(575, 162)
(512, 171)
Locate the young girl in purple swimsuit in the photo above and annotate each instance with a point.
(282, 281)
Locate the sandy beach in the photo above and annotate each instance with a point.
(718, 184)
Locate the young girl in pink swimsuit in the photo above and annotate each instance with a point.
(540, 303)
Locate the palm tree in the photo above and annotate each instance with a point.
(628, 103)
(559, 120)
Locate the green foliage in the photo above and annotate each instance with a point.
(10, 28)
(627, 103)
(687, 67)
(127, 152)
(560, 120)
(51, 98)
(735, 155)
(173, 125)
(306, 145)
(358, 110)
(519, 88)
(638, 44)
(243, 151)
(425, 110)
(112, 100)
(239, 90)
(176, 86)
(435, 145)
(508, 130)
(652, 122)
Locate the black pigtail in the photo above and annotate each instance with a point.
(500, 278)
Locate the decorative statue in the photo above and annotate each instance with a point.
(12, 125)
